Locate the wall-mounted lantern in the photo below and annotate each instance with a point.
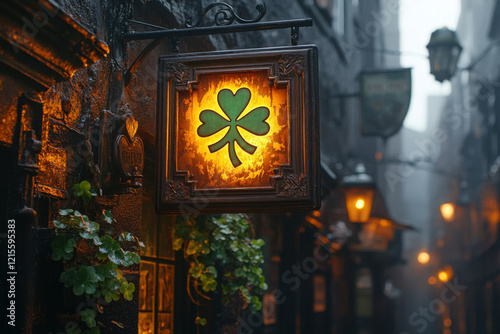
(444, 51)
(359, 189)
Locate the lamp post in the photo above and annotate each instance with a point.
(444, 51)
(359, 189)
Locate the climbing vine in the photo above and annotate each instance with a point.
(93, 255)
(223, 255)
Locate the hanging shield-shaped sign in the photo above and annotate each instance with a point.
(385, 99)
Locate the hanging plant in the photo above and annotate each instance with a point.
(93, 255)
(223, 255)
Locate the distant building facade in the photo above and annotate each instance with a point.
(64, 79)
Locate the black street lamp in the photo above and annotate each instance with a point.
(359, 189)
(444, 51)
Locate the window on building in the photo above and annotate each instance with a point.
(338, 17)
(156, 285)
(334, 12)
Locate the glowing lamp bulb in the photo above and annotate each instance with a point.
(448, 211)
(360, 204)
(423, 257)
(443, 276)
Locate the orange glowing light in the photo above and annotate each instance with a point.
(443, 276)
(215, 169)
(447, 322)
(360, 204)
(432, 280)
(423, 257)
(440, 243)
(448, 211)
(314, 222)
(316, 213)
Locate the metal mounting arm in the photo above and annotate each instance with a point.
(223, 19)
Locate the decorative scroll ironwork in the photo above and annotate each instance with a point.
(225, 15)
(289, 64)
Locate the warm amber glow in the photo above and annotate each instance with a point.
(432, 280)
(380, 228)
(448, 211)
(316, 213)
(490, 210)
(440, 243)
(443, 276)
(447, 322)
(423, 257)
(385, 223)
(360, 204)
(215, 170)
(314, 222)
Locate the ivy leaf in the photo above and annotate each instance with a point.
(135, 258)
(83, 190)
(177, 245)
(209, 284)
(112, 284)
(62, 248)
(99, 271)
(107, 216)
(88, 316)
(257, 243)
(73, 328)
(192, 247)
(93, 330)
(212, 271)
(126, 236)
(196, 270)
(97, 240)
(68, 277)
(58, 224)
(200, 321)
(108, 244)
(127, 289)
(65, 212)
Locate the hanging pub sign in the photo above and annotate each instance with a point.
(385, 99)
(238, 131)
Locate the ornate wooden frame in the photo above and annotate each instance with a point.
(296, 185)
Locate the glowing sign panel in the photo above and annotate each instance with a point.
(233, 105)
(236, 131)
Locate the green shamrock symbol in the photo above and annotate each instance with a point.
(233, 105)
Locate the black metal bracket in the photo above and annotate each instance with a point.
(222, 24)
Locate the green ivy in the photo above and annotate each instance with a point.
(93, 254)
(225, 242)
